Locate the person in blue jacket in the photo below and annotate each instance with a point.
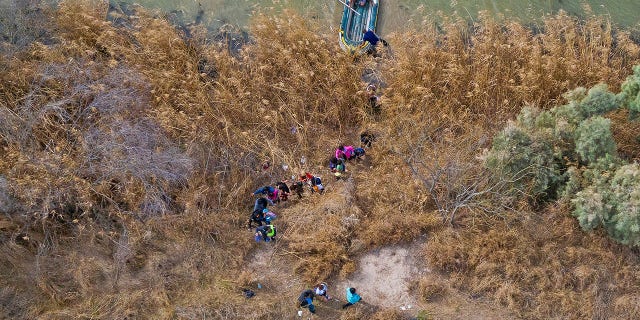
(371, 37)
(305, 300)
(266, 190)
(352, 297)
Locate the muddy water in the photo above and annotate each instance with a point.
(395, 15)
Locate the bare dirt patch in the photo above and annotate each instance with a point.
(384, 276)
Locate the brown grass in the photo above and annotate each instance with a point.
(125, 170)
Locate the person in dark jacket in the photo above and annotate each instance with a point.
(305, 300)
(284, 190)
(371, 37)
(257, 216)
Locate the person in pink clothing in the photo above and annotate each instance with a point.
(340, 153)
(348, 152)
(274, 197)
(345, 152)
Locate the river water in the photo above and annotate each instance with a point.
(395, 15)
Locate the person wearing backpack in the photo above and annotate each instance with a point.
(337, 165)
(271, 231)
(305, 300)
(339, 154)
(274, 197)
(257, 216)
(359, 153)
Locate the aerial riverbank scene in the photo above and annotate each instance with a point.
(336, 159)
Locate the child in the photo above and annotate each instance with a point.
(336, 165)
(269, 215)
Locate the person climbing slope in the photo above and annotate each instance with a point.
(264, 190)
(261, 233)
(274, 197)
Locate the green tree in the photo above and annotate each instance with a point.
(525, 162)
(599, 100)
(624, 225)
(594, 140)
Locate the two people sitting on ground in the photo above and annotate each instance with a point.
(314, 182)
(349, 153)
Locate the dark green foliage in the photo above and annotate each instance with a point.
(630, 94)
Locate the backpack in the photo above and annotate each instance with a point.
(272, 231)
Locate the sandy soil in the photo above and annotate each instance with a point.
(384, 276)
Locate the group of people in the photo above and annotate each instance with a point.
(337, 164)
(305, 300)
(272, 195)
(281, 191)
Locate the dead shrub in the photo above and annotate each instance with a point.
(432, 289)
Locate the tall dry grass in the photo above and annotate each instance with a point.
(449, 91)
(127, 169)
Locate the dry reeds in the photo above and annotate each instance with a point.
(128, 167)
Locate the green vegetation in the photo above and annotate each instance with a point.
(585, 164)
(128, 152)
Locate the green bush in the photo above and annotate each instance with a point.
(599, 100)
(624, 225)
(527, 164)
(594, 140)
(592, 207)
(630, 94)
(570, 150)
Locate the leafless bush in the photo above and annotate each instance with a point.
(23, 22)
(7, 202)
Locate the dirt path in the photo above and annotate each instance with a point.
(386, 277)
